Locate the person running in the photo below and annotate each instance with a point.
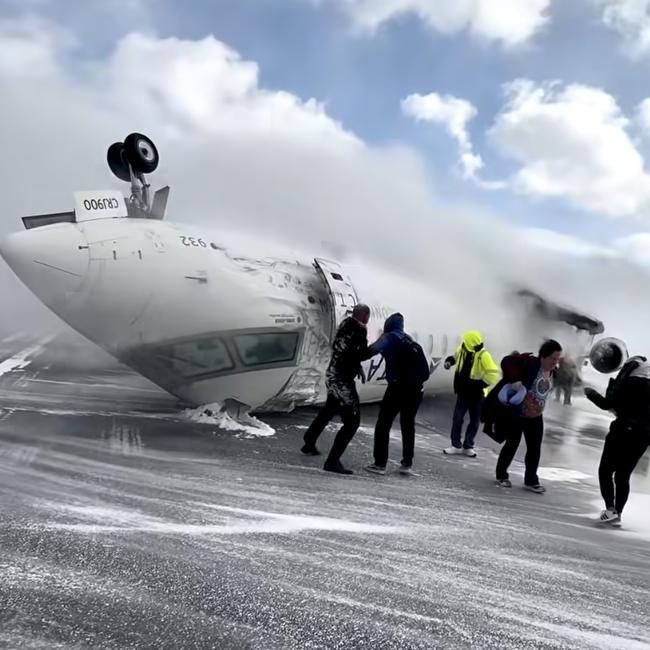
(475, 371)
(349, 349)
(407, 369)
(628, 395)
(535, 374)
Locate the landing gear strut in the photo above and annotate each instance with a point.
(130, 161)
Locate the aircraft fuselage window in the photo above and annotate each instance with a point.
(199, 357)
(260, 349)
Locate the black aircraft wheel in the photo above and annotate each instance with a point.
(141, 153)
(117, 163)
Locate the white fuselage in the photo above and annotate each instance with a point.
(196, 318)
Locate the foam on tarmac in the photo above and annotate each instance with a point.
(128, 525)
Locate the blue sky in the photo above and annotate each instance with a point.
(313, 48)
(311, 51)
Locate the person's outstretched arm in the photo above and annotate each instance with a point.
(596, 398)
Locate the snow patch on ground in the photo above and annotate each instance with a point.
(636, 516)
(20, 360)
(212, 414)
(106, 519)
(607, 639)
(13, 455)
(561, 474)
(550, 473)
(99, 413)
(331, 427)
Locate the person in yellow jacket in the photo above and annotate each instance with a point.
(476, 371)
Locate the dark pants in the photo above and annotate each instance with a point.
(622, 451)
(533, 431)
(463, 406)
(405, 400)
(342, 400)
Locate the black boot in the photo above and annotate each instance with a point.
(336, 467)
(309, 450)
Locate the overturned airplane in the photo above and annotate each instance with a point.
(203, 322)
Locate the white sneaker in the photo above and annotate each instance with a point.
(452, 451)
(610, 516)
(469, 452)
(405, 470)
(537, 489)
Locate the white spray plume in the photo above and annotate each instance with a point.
(279, 167)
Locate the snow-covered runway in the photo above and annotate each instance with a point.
(127, 524)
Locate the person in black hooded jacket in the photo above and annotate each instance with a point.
(628, 395)
(407, 369)
(349, 349)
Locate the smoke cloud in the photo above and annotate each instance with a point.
(245, 158)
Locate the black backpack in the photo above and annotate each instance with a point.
(412, 365)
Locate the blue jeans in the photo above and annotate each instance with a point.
(463, 406)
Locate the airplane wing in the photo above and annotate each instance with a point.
(552, 311)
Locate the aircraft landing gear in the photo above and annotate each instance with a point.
(130, 161)
(141, 153)
(117, 162)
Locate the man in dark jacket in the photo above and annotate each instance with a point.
(407, 369)
(535, 374)
(628, 395)
(349, 349)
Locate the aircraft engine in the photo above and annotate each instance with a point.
(608, 355)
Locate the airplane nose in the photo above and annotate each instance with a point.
(51, 260)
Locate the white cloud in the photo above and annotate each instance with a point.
(631, 20)
(205, 86)
(643, 117)
(454, 114)
(572, 143)
(511, 22)
(263, 161)
(556, 242)
(237, 155)
(635, 248)
(631, 250)
(219, 132)
(31, 46)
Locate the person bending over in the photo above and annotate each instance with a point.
(535, 374)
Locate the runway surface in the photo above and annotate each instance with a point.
(127, 524)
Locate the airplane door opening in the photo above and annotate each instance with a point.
(343, 296)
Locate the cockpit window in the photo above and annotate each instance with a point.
(219, 354)
(198, 357)
(260, 349)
